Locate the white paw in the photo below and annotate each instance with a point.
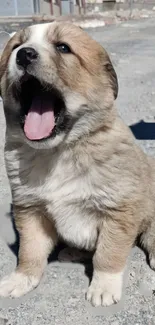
(17, 284)
(70, 254)
(105, 288)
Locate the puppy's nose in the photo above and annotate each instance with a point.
(26, 56)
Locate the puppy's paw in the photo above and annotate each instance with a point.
(105, 289)
(70, 254)
(17, 284)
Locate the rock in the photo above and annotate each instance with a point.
(132, 274)
(4, 321)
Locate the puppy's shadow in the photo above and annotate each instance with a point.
(15, 246)
(54, 255)
(143, 130)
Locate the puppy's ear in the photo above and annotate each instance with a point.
(113, 78)
(4, 38)
(110, 71)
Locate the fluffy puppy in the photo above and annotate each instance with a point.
(74, 168)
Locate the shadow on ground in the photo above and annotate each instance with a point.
(143, 130)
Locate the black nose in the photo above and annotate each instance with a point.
(26, 56)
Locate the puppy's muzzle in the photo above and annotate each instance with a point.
(26, 56)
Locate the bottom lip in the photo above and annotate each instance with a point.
(43, 111)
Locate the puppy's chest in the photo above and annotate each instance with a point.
(68, 198)
(65, 193)
(68, 204)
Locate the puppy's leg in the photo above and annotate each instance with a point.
(113, 247)
(37, 238)
(148, 242)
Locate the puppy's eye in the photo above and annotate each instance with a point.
(15, 46)
(63, 48)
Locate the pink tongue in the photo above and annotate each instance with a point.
(40, 121)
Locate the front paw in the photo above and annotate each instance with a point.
(105, 288)
(17, 284)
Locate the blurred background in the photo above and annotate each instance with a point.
(66, 7)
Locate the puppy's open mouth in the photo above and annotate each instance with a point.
(42, 109)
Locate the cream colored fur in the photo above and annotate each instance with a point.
(91, 185)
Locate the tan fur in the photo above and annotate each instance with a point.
(35, 231)
(14, 41)
(91, 183)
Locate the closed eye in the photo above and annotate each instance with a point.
(63, 48)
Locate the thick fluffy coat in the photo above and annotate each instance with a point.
(86, 182)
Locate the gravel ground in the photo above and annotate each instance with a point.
(60, 297)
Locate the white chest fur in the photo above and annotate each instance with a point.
(64, 191)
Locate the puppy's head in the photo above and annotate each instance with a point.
(57, 84)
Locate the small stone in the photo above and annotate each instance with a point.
(55, 276)
(4, 321)
(132, 274)
(115, 323)
(39, 316)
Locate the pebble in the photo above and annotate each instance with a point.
(115, 323)
(132, 274)
(54, 276)
(4, 321)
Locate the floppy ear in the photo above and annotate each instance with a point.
(113, 77)
(4, 38)
(110, 71)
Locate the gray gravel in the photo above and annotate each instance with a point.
(60, 297)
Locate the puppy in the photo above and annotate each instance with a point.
(74, 168)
